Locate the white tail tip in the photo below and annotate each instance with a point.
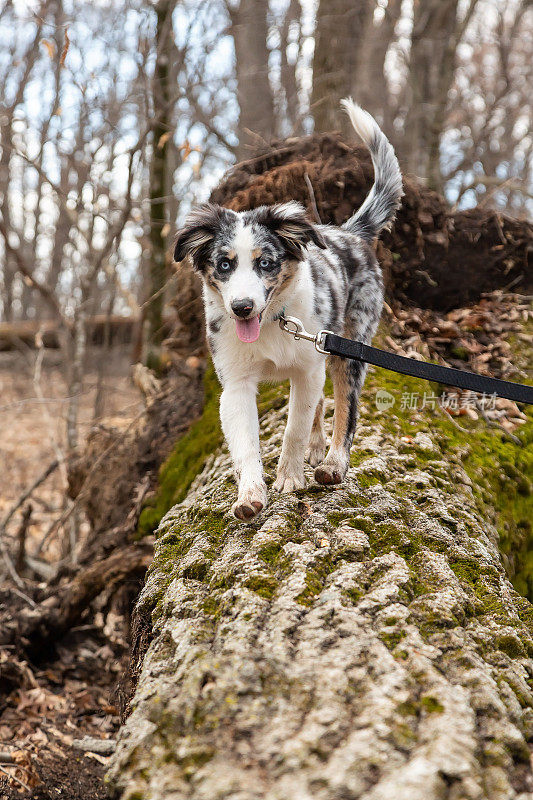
(364, 123)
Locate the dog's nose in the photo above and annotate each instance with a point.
(243, 308)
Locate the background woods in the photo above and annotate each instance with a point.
(117, 116)
(110, 131)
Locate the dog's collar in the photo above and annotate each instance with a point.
(279, 315)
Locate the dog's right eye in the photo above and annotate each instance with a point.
(224, 266)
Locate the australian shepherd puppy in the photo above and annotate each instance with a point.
(259, 265)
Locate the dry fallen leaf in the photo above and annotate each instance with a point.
(101, 759)
(39, 701)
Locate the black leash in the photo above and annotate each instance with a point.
(330, 344)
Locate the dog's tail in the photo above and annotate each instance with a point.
(379, 208)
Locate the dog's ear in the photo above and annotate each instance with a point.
(290, 223)
(198, 233)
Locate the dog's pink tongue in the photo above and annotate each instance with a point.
(248, 329)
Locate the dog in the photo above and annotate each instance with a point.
(259, 265)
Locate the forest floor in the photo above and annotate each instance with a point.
(73, 697)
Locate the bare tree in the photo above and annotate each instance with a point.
(490, 111)
(371, 85)
(161, 133)
(340, 26)
(288, 108)
(437, 33)
(254, 94)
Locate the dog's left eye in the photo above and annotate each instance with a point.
(224, 266)
(265, 263)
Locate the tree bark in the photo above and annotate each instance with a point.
(358, 642)
(162, 130)
(370, 88)
(254, 93)
(340, 26)
(430, 77)
(288, 74)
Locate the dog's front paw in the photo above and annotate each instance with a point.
(289, 478)
(331, 472)
(250, 502)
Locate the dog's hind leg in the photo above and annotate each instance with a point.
(362, 317)
(348, 378)
(317, 441)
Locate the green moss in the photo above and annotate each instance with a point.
(211, 607)
(336, 518)
(500, 470)
(358, 457)
(408, 708)
(263, 585)
(187, 458)
(467, 570)
(394, 536)
(354, 595)
(315, 579)
(431, 705)
(272, 397)
(270, 553)
(413, 708)
(403, 736)
(510, 644)
(391, 640)
(460, 352)
(368, 479)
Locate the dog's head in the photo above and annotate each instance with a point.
(248, 257)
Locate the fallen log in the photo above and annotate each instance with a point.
(47, 333)
(363, 642)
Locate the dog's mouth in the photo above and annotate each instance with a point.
(248, 329)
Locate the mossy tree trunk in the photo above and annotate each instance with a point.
(360, 642)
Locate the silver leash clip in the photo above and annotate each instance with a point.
(295, 327)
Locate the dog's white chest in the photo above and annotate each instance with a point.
(274, 356)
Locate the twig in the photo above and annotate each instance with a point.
(452, 420)
(46, 292)
(85, 487)
(39, 392)
(104, 747)
(21, 537)
(9, 563)
(24, 597)
(14, 778)
(310, 189)
(493, 424)
(24, 496)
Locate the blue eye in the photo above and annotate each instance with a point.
(224, 266)
(264, 263)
